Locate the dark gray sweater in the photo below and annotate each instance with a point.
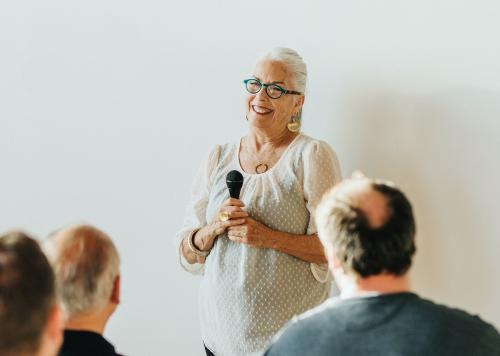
(397, 324)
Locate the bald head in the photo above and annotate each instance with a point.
(369, 226)
(86, 265)
(361, 194)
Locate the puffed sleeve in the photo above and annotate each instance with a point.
(321, 172)
(195, 214)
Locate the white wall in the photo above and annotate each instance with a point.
(106, 108)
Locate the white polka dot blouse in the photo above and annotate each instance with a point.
(247, 294)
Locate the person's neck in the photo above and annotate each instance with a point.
(378, 284)
(95, 322)
(258, 138)
(47, 349)
(48, 346)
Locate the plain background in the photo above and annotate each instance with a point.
(107, 108)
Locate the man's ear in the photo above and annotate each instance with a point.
(115, 295)
(333, 261)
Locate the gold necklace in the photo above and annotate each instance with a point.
(261, 168)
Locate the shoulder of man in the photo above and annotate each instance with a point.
(303, 331)
(484, 334)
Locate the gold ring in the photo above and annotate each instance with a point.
(224, 216)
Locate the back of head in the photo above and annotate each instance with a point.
(368, 241)
(86, 265)
(27, 294)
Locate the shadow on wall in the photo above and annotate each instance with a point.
(441, 149)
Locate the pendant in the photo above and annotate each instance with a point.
(261, 168)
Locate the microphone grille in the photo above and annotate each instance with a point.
(234, 176)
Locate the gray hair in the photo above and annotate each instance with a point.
(295, 64)
(360, 247)
(86, 264)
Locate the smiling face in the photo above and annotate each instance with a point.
(272, 114)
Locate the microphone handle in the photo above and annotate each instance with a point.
(234, 192)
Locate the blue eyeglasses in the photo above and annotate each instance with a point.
(274, 91)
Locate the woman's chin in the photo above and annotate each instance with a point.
(260, 120)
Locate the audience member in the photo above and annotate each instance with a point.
(86, 265)
(367, 229)
(30, 320)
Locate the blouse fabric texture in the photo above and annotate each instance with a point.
(247, 294)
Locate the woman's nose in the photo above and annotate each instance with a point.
(262, 94)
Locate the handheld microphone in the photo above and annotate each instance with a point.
(234, 181)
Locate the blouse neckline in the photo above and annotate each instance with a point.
(287, 150)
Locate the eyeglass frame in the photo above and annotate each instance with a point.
(265, 86)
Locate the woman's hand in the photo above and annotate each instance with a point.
(230, 214)
(252, 233)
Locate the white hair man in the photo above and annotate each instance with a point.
(367, 229)
(86, 265)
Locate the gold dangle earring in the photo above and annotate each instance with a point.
(294, 124)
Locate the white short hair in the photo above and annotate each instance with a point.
(86, 265)
(294, 63)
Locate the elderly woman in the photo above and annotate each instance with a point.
(260, 258)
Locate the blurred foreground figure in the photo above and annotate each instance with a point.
(30, 320)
